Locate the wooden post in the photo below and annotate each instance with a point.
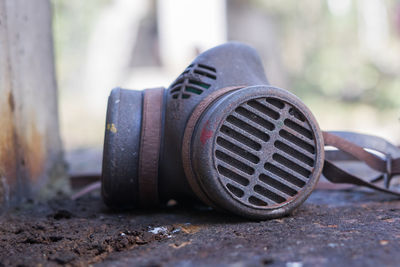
(30, 146)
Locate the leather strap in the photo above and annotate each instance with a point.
(387, 166)
(150, 141)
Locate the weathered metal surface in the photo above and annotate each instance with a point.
(190, 152)
(30, 146)
(196, 82)
(223, 135)
(187, 137)
(260, 160)
(121, 148)
(228, 65)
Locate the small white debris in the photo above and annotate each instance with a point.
(177, 230)
(122, 234)
(332, 245)
(158, 230)
(294, 264)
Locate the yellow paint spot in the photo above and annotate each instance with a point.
(111, 127)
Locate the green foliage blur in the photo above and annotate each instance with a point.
(329, 58)
(320, 50)
(73, 21)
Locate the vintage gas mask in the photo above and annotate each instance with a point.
(221, 134)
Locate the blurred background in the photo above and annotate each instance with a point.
(341, 57)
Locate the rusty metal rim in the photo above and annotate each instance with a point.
(289, 200)
(187, 137)
(256, 213)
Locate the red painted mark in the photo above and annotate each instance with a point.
(205, 134)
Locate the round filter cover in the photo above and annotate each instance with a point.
(257, 152)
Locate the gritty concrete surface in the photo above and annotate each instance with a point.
(333, 228)
(341, 227)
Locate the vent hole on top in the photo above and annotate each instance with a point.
(234, 162)
(294, 153)
(189, 84)
(233, 176)
(199, 83)
(209, 75)
(291, 165)
(248, 128)
(277, 185)
(178, 82)
(298, 128)
(297, 114)
(185, 96)
(237, 150)
(241, 138)
(236, 191)
(269, 194)
(297, 141)
(284, 175)
(257, 202)
(207, 67)
(275, 102)
(193, 90)
(177, 89)
(264, 109)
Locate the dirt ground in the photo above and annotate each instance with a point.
(333, 228)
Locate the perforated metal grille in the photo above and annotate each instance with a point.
(265, 152)
(193, 81)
